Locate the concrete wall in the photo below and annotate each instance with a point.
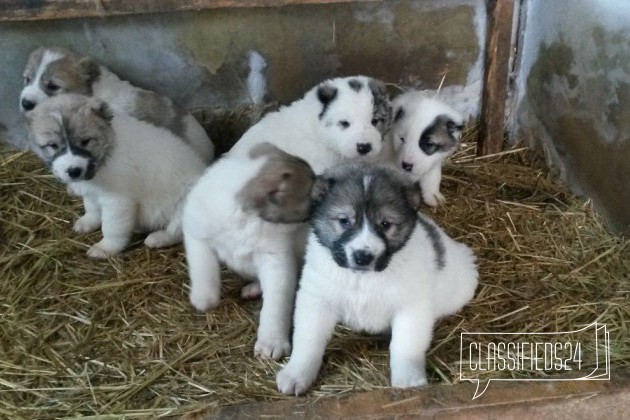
(202, 59)
(573, 96)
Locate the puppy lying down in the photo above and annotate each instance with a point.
(374, 264)
(132, 175)
(248, 212)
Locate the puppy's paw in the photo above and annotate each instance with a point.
(293, 382)
(272, 348)
(409, 380)
(251, 291)
(86, 224)
(161, 239)
(105, 248)
(433, 199)
(204, 301)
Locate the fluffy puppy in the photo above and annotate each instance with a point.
(374, 264)
(247, 211)
(131, 174)
(339, 119)
(425, 132)
(51, 71)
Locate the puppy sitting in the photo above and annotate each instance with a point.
(247, 211)
(373, 264)
(131, 174)
(425, 132)
(339, 119)
(51, 71)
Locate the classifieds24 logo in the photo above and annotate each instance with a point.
(584, 353)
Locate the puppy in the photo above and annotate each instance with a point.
(374, 264)
(339, 119)
(425, 132)
(247, 211)
(131, 174)
(51, 71)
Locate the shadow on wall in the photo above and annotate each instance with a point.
(576, 108)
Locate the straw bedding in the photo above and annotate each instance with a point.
(80, 337)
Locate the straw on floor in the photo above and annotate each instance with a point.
(80, 337)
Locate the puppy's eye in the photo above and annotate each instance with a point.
(345, 223)
(402, 139)
(376, 121)
(344, 124)
(86, 141)
(51, 147)
(385, 225)
(26, 80)
(52, 86)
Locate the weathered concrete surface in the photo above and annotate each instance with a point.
(200, 59)
(574, 92)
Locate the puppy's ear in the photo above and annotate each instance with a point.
(414, 195)
(279, 194)
(89, 69)
(321, 186)
(101, 109)
(326, 94)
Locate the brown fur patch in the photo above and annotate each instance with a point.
(280, 192)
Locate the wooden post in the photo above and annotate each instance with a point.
(495, 80)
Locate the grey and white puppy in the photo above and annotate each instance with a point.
(374, 264)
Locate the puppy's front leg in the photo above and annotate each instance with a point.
(278, 276)
(314, 324)
(205, 273)
(411, 336)
(118, 222)
(91, 220)
(430, 184)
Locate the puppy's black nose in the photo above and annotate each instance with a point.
(28, 105)
(407, 166)
(364, 148)
(74, 172)
(362, 257)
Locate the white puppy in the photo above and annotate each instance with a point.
(374, 264)
(132, 175)
(245, 211)
(339, 119)
(425, 132)
(51, 71)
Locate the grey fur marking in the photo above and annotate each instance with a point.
(355, 84)
(382, 109)
(436, 241)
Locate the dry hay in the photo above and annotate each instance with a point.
(86, 337)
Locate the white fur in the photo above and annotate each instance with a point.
(406, 299)
(420, 112)
(141, 187)
(297, 129)
(121, 96)
(217, 229)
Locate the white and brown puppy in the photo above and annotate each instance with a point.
(247, 211)
(51, 71)
(338, 120)
(374, 264)
(131, 174)
(425, 132)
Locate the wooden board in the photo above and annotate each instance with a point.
(497, 57)
(17, 10)
(559, 399)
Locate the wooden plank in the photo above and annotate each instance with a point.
(21, 10)
(497, 57)
(559, 399)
